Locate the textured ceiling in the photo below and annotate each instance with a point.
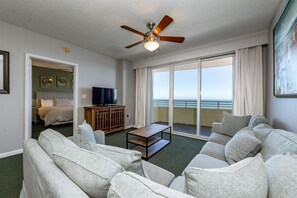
(95, 24)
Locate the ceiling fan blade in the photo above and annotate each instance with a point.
(163, 24)
(129, 46)
(172, 39)
(132, 30)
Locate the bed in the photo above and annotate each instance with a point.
(54, 108)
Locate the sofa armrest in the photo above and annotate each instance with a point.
(99, 137)
(215, 127)
(158, 174)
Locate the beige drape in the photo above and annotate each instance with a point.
(141, 96)
(249, 82)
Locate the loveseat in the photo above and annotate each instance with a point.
(47, 175)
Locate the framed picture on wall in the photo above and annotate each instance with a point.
(61, 81)
(46, 82)
(285, 52)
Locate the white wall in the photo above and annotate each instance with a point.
(250, 40)
(93, 70)
(126, 89)
(281, 112)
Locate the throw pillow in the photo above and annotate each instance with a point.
(256, 120)
(128, 159)
(282, 175)
(232, 124)
(246, 178)
(243, 144)
(86, 135)
(51, 141)
(90, 171)
(131, 185)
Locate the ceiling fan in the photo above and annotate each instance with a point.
(152, 37)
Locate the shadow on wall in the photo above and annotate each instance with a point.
(278, 124)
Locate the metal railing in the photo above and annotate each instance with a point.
(205, 104)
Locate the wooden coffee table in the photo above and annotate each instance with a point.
(149, 139)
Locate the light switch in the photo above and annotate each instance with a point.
(84, 96)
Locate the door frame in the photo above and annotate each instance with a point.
(28, 90)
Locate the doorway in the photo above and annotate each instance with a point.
(51, 96)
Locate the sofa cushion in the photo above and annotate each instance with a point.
(90, 171)
(232, 124)
(282, 176)
(86, 135)
(262, 131)
(131, 185)
(130, 160)
(256, 120)
(205, 161)
(178, 184)
(279, 142)
(246, 178)
(243, 144)
(214, 150)
(219, 138)
(52, 141)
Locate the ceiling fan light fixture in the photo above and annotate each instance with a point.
(151, 45)
(151, 42)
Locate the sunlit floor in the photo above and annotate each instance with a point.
(190, 129)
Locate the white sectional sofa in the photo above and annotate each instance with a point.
(44, 178)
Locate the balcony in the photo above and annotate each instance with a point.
(185, 114)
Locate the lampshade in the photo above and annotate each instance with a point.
(151, 45)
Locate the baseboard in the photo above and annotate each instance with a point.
(129, 126)
(11, 153)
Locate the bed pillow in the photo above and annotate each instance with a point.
(90, 171)
(130, 160)
(47, 102)
(246, 178)
(86, 135)
(232, 124)
(242, 145)
(63, 102)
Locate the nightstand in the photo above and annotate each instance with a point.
(34, 115)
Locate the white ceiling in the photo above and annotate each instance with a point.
(95, 24)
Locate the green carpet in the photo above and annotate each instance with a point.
(11, 176)
(64, 129)
(174, 157)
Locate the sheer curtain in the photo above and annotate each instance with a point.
(141, 96)
(249, 82)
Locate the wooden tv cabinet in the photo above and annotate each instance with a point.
(106, 118)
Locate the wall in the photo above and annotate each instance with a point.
(37, 72)
(93, 70)
(126, 89)
(230, 45)
(281, 112)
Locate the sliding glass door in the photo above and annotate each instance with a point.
(191, 96)
(160, 95)
(185, 98)
(216, 91)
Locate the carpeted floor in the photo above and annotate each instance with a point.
(65, 129)
(173, 157)
(11, 176)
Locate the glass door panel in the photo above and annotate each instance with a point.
(185, 98)
(160, 97)
(216, 92)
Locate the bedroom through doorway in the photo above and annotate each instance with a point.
(52, 89)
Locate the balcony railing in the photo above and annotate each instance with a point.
(205, 104)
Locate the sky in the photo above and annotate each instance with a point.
(216, 84)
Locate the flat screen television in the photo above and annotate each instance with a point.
(104, 96)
